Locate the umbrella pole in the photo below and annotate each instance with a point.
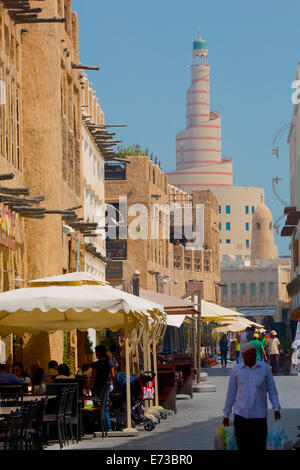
(127, 368)
(199, 338)
(145, 357)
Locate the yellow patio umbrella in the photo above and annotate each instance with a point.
(211, 312)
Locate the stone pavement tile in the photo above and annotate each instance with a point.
(194, 425)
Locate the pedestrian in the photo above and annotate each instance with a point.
(237, 341)
(260, 352)
(250, 383)
(251, 333)
(223, 345)
(245, 336)
(101, 373)
(273, 347)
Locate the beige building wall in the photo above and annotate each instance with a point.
(146, 184)
(93, 183)
(52, 165)
(12, 241)
(261, 290)
(235, 243)
(294, 168)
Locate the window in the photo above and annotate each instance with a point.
(261, 287)
(187, 263)
(224, 289)
(177, 261)
(197, 264)
(243, 289)
(206, 264)
(247, 226)
(228, 241)
(271, 288)
(233, 289)
(227, 209)
(252, 209)
(246, 209)
(257, 226)
(228, 226)
(247, 243)
(252, 289)
(220, 210)
(220, 226)
(220, 241)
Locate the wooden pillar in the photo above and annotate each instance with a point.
(127, 368)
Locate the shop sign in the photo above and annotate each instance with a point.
(114, 270)
(7, 228)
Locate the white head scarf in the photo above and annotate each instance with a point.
(247, 347)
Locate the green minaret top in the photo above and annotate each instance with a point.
(200, 43)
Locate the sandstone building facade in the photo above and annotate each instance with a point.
(165, 264)
(41, 144)
(259, 290)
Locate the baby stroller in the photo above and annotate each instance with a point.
(137, 411)
(147, 392)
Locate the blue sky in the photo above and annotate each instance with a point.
(144, 50)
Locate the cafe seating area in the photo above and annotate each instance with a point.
(28, 421)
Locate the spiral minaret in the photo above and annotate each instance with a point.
(199, 161)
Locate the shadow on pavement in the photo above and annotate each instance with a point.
(217, 371)
(197, 436)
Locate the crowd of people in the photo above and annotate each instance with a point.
(95, 375)
(267, 346)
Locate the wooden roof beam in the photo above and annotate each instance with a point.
(84, 67)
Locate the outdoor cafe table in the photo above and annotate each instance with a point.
(6, 410)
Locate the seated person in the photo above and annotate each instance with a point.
(7, 378)
(35, 365)
(18, 370)
(52, 370)
(64, 373)
(39, 380)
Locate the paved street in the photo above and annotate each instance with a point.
(194, 425)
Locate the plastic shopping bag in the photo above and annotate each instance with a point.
(225, 438)
(219, 438)
(230, 440)
(277, 437)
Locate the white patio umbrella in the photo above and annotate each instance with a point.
(71, 301)
(240, 324)
(74, 301)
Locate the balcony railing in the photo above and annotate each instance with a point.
(116, 249)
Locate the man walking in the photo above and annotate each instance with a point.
(273, 347)
(249, 384)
